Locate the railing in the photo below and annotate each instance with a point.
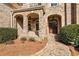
(35, 4)
(54, 4)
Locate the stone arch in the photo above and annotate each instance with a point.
(33, 22)
(54, 23)
(19, 23)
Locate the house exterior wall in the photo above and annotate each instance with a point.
(68, 14)
(7, 18)
(77, 13)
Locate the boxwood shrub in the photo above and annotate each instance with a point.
(7, 34)
(70, 34)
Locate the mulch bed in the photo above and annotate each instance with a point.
(74, 51)
(21, 49)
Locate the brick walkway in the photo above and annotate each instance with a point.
(54, 48)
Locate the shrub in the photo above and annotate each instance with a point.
(32, 39)
(45, 38)
(23, 39)
(9, 42)
(7, 34)
(70, 34)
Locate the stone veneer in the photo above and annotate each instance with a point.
(7, 18)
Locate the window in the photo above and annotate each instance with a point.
(54, 4)
(39, 3)
(29, 25)
(37, 25)
(35, 4)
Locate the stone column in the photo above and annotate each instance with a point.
(25, 25)
(11, 19)
(42, 30)
(68, 13)
(77, 13)
(47, 27)
(61, 14)
(62, 20)
(14, 22)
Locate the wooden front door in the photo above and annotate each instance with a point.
(53, 26)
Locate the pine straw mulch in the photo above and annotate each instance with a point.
(21, 49)
(74, 50)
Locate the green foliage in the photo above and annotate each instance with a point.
(32, 39)
(70, 34)
(7, 34)
(23, 39)
(9, 42)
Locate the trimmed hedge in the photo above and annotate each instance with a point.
(7, 34)
(70, 34)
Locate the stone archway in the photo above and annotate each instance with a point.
(33, 22)
(54, 23)
(19, 23)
